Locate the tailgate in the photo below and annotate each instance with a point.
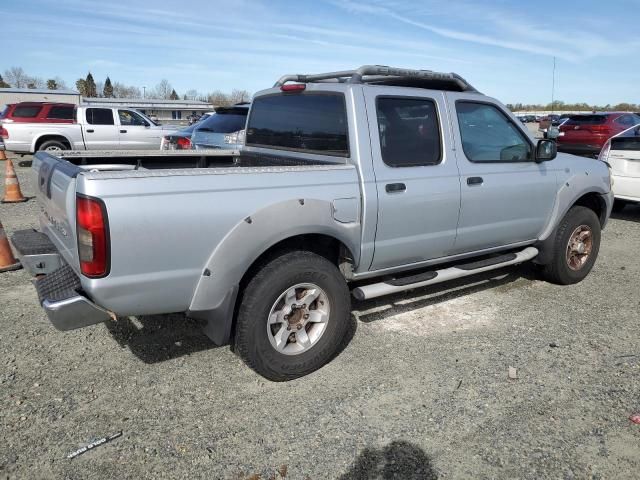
(56, 194)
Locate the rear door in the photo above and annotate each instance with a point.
(136, 133)
(417, 178)
(506, 196)
(100, 129)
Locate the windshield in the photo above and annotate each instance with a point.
(225, 122)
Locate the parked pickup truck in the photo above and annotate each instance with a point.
(365, 182)
(95, 128)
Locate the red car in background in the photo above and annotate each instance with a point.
(39, 112)
(585, 134)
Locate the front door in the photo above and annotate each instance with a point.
(506, 196)
(136, 133)
(100, 129)
(417, 177)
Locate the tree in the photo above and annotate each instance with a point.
(35, 82)
(162, 90)
(123, 91)
(52, 84)
(174, 95)
(238, 96)
(191, 94)
(16, 77)
(62, 85)
(4, 84)
(219, 99)
(90, 86)
(81, 86)
(107, 91)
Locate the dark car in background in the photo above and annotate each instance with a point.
(39, 112)
(223, 129)
(585, 134)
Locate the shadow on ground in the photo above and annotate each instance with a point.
(501, 281)
(630, 213)
(158, 338)
(398, 460)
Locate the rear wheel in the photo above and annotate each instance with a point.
(576, 247)
(293, 317)
(52, 146)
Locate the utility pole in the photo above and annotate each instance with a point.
(144, 90)
(553, 85)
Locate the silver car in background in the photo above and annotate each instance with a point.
(224, 129)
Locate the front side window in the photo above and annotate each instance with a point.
(30, 111)
(100, 116)
(309, 123)
(409, 131)
(129, 118)
(488, 135)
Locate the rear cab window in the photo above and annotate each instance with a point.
(310, 122)
(26, 111)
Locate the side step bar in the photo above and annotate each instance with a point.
(374, 290)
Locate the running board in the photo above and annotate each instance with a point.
(374, 290)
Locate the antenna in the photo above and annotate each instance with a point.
(553, 85)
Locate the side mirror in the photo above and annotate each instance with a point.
(553, 133)
(546, 150)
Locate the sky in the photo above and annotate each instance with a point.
(504, 48)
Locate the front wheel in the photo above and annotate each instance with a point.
(293, 316)
(576, 247)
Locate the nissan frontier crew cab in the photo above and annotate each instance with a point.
(364, 182)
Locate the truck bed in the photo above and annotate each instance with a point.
(178, 159)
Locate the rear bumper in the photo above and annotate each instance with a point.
(626, 188)
(58, 286)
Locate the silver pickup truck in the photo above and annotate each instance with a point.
(94, 128)
(363, 183)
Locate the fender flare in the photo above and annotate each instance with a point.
(218, 286)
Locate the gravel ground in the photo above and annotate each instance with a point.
(421, 391)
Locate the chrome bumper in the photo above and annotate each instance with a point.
(74, 312)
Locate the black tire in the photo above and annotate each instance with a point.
(619, 205)
(558, 270)
(252, 341)
(53, 144)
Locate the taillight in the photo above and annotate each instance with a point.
(93, 241)
(293, 87)
(602, 129)
(183, 143)
(4, 133)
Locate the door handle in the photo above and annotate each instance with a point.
(395, 187)
(474, 181)
(123, 131)
(90, 131)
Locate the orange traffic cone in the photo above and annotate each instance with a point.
(12, 193)
(7, 260)
(3, 156)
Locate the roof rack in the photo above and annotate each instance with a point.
(382, 75)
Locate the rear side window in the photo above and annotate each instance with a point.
(627, 120)
(409, 131)
(100, 116)
(310, 123)
(488, 135)
(587, 120)
(61, 112)
(30, 111)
